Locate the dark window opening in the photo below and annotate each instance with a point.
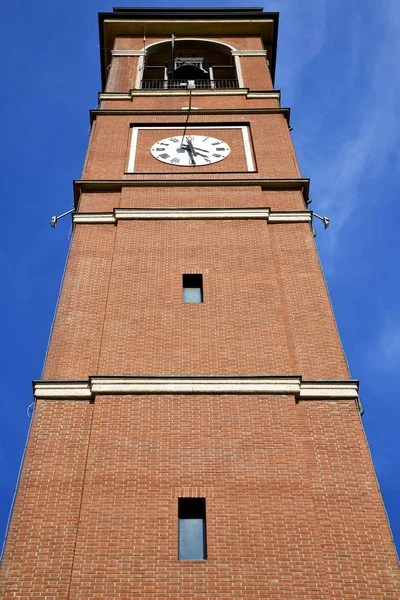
(196, 64)
(192, 287)
(192, 529)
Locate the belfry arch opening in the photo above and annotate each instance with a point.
(196, 64)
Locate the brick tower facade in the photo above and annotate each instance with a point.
(196, 432)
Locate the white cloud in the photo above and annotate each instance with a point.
(366, 89)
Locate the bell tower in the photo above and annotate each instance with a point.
(196, 432)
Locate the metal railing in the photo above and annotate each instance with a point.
(181, 84)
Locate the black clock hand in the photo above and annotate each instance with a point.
(191, 154)
(199, 154)
(188, 143)
(193, 149)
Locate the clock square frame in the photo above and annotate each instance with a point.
(245, 130)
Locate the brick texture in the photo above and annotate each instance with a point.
(109, 150)
(301, 523)
(122, 74)
(80, 316)
(245, 42)
(265, 309)
(177, 102)
(192, 196)
(293, 507)
(41, 541)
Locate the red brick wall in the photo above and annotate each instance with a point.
(109, 150)
(265, 310)
(245, 42)
(99, 201)
(122, 74)
(143, 101)
(255, 73)
(191, 196)
(76, 337)
(293, 509)
(41, 541)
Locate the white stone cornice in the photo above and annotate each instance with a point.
(261, 95)
(301, 216)
(138, 385)
(128, 53)
(314, 390)
(127, 96)
(191, 213)
(106, 96)
(71, 390)
(195, 385)
(249, 53)
(94, 218)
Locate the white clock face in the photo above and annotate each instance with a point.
(190, 150)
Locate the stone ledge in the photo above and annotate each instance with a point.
(118, 214)
(128, 96)
(138, 385)
(128, 52)
(249, 53)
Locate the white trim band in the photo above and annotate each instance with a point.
(289, 386)
(290, 216)
(106, 96)
(73, 390)
(191, 213)
(314, 390)
(128, 53)
(261, 95)
(249, 53)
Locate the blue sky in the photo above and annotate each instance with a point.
(338, 69)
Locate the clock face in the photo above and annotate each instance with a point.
(190, 150)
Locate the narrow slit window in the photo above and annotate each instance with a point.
(192, 287)
(192, 529)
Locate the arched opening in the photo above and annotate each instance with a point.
(199, 64)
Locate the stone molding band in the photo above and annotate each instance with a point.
(249, 52)
(139, 385)
(128, 52)
(233, 52)
(112, 218)
(127, 96)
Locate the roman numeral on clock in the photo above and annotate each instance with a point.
(164, 155)
(175, 161)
